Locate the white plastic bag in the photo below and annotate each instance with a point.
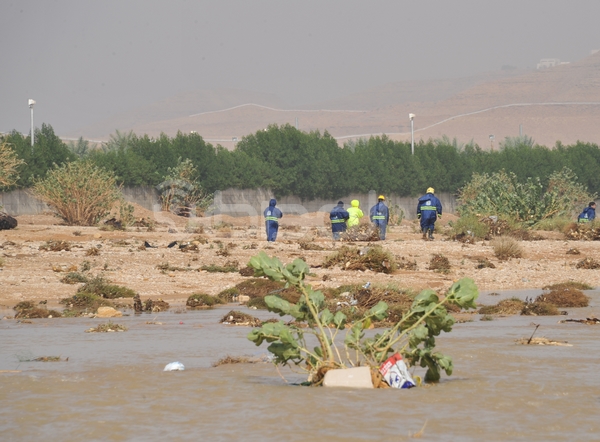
(395, 372)
(174, 366)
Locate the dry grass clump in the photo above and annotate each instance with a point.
(261, 287)
(165, 267)
(585, 231)
(92, 251)
(238, 318)
(227, 360)
(152, 306)
(568, 285)
(439, 263)
(73, 278)
(588, 264)
(228, 267)
(485, 263)
(85, 301)
(101, 287)
(573, 251)
(566, 297)
(247, 271)
(202, 301)
(305, 245)
(56, 246)
(540, 308)
(405, 264)
(28, 310)
(107, 328)
(362, 232)
(506, 247)
(505, 307)
(372, 257)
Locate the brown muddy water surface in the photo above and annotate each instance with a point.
(113, 388)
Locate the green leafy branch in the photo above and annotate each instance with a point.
(413, 335)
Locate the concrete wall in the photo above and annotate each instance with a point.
(236, 202)
(244, 202)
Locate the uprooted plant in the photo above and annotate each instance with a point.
(413, 336)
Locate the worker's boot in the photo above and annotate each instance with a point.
(424, 234)
(430, 234)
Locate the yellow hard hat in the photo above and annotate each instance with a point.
(430, 190)
(355, 203)
(381, 197)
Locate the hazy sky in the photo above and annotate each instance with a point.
(85, 60)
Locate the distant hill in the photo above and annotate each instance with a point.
(561, 103)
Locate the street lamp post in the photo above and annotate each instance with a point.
(31, 103)
(412, 133)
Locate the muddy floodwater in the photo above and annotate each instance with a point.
(113, 387)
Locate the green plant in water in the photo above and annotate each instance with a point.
(413, 335)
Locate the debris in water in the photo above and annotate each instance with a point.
(174, 366)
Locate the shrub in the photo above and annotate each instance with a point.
(9, 165)
(569, 285)
(502, 194)
(506, 248)
(556, 224)
(468, 226)
(540, 308)
(87, 301)
(100, 287)
(180, 191)
(79, 192)
(374, 258)
(510, 306)
(73, 278)
(202, 300)
(565, 297)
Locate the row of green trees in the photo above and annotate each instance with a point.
(309, 165)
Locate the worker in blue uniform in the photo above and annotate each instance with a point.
(338, 217)
(429, 209)
(272, 216)
(380, 216)
(588, 214)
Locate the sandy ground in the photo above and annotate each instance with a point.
(29, 273)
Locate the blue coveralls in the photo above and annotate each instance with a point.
(427, 209)
(588, 215)
(338, 217)
(272, 215)
(380, 216)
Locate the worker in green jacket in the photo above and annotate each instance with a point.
(355, 214)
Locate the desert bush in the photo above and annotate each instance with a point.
(555, 224)
(202, 300)
(588, 264)
(502, 194)
(73, 278)
(228, 267)
(180, 191)
(439, 263)
(569, 285)
(565, 297)
(9, 165)
(87, 301)
(468, 226)
(374, 258)
(506, 247)
(539, 308)
(510, 306)
(100, 287)
(78, 192)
